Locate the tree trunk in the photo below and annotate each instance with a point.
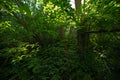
(82, 37)
(77, 4)
(82, 40)
(62, 33)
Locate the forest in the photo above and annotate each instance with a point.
(51, 40)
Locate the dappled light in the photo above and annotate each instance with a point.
(59, 40)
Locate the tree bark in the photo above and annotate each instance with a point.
(77, 4)
(82, 40)
(82, 37)
(62, 33)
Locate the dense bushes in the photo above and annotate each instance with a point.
(29, 62)
(51, 41)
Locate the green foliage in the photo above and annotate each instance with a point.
(31, 47)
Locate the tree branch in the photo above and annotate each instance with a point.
(104, 31)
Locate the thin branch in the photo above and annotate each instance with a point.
(104, 31)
